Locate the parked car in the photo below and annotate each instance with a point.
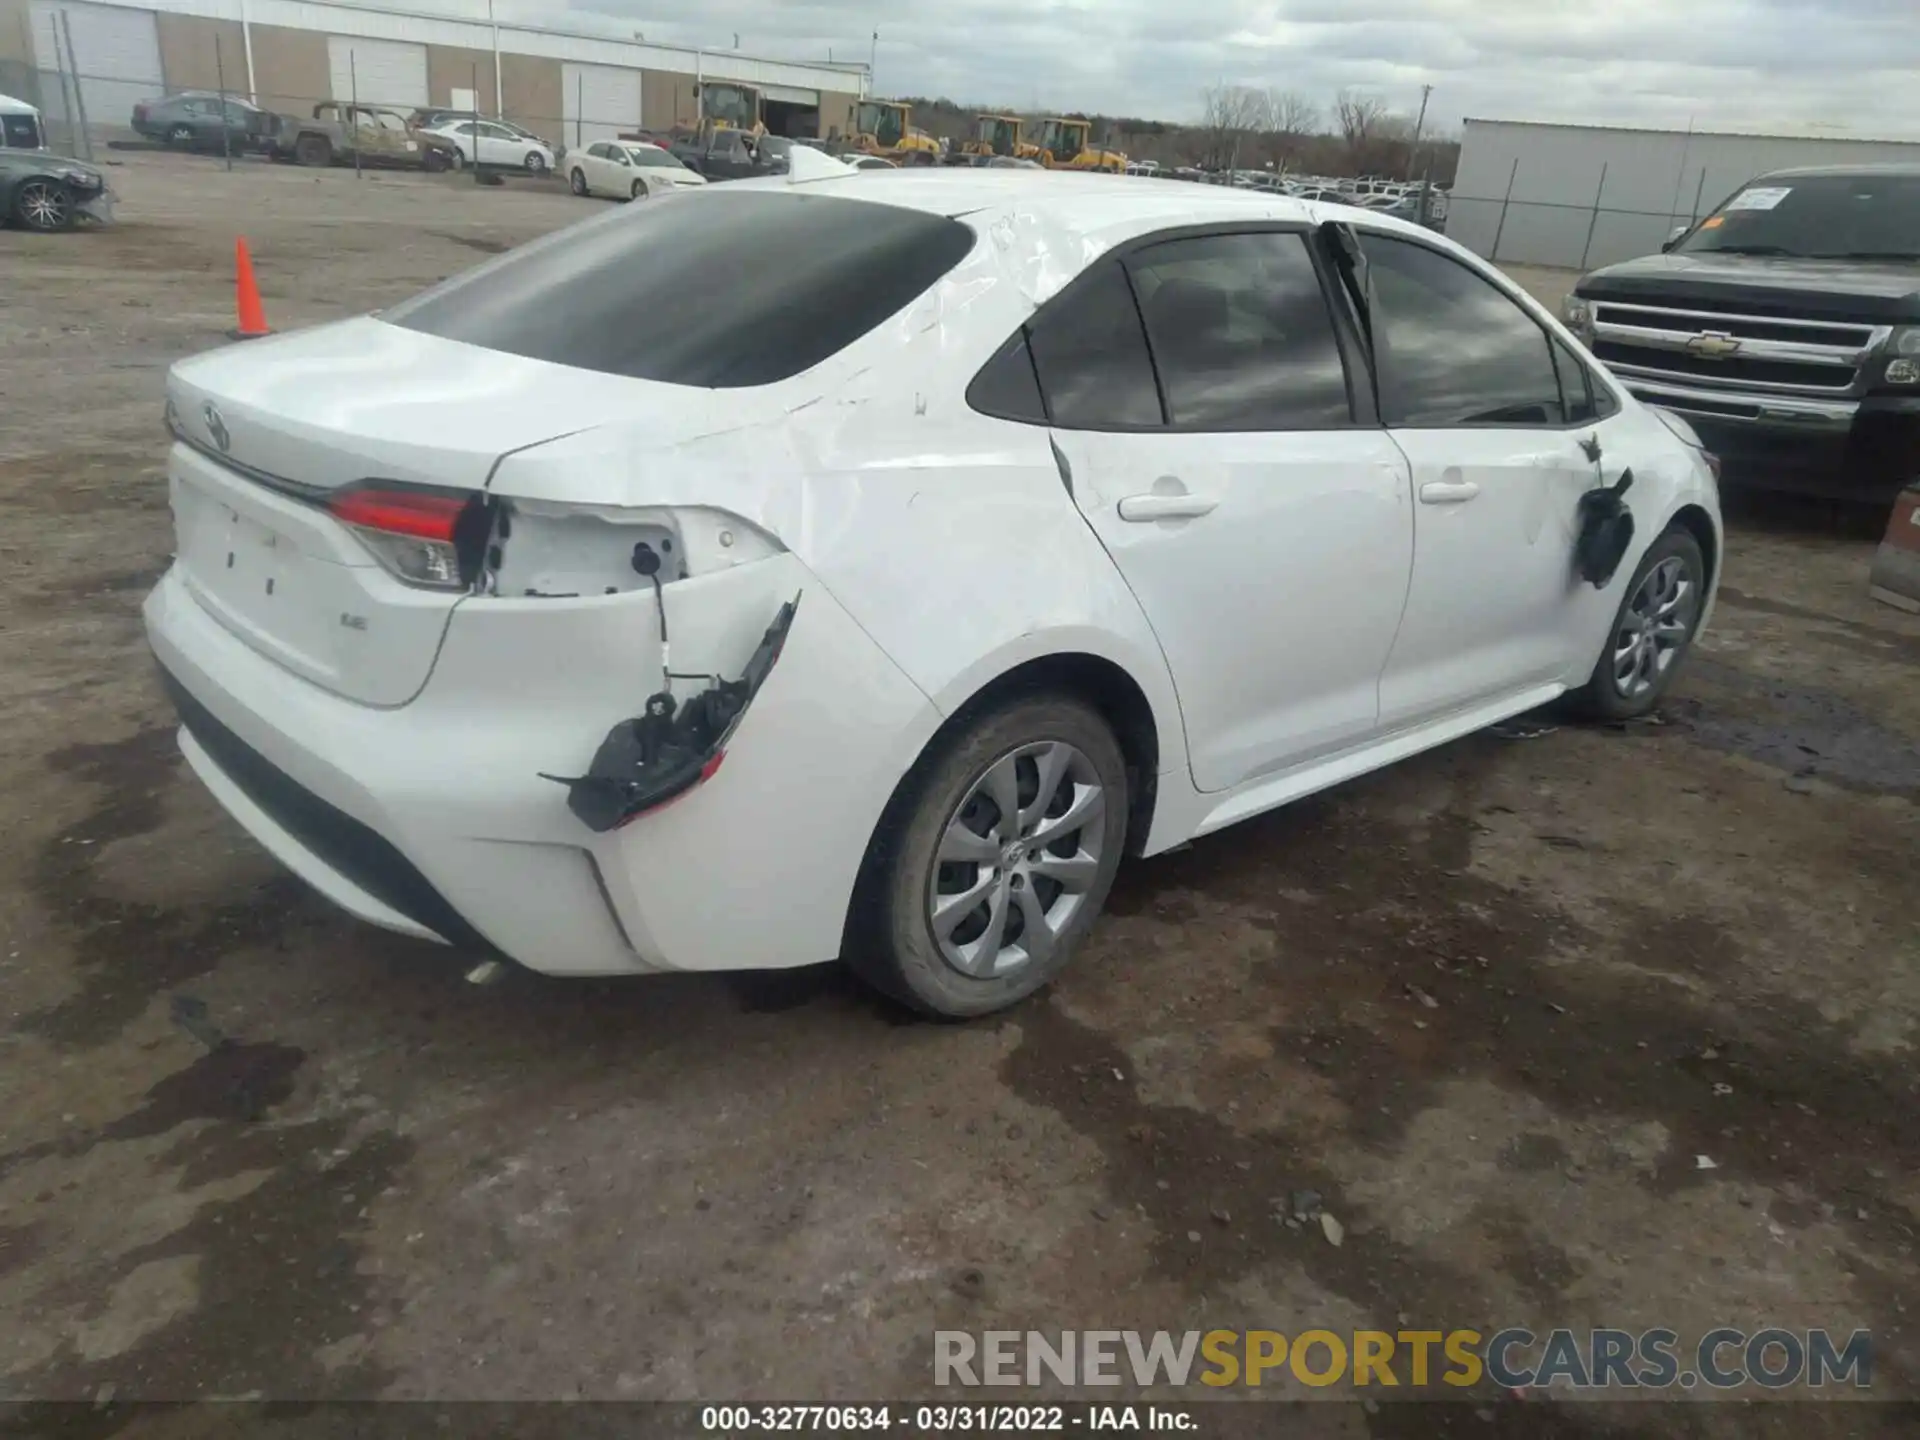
(969, 603)
(192, 120)
(40, 190)
(627, 169)
(435, 119)
(1785, 325)
(730, 154)
(21, 127)
(336, 133)
(494, 146)
(1012, 162)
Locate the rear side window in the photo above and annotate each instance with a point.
(1091, 355)
(635, 292)
(1241, 333)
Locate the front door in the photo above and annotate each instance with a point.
(1471, 393)
(1267, 535)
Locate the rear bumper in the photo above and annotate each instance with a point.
(1841, 448)
(432, 818)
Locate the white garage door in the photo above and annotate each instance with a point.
(599, 102)
(380, 72)
(116, 54)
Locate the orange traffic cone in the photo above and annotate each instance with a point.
(253, 319)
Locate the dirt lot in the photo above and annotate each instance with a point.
(1491, 1005)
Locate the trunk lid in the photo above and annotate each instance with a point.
(273, 428)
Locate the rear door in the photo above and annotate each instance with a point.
(1470, 391)
(1202, 390)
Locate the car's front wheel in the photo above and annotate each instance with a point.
(640, 191)
(1652, 632)
(992, 868)
(43, 205)
(536, 163)
(577, 181)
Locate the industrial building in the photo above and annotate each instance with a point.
(1581, 196)
(289, 55)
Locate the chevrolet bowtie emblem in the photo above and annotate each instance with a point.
(1713, 345)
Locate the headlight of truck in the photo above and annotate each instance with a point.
(1904, 368)
(1578, 315)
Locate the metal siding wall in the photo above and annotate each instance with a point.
(598, 102)
(1653, 180)
(116, 54)
(378, 72)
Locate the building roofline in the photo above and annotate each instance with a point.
(1698, 134)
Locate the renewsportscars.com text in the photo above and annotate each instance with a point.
(1514, 1358)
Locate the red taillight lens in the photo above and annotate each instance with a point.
(415, 534)
(423, 514)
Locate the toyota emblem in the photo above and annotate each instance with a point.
(216, 427)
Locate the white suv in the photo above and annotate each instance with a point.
(1000, 524)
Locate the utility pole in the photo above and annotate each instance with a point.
(873, 60)
(1413, 155)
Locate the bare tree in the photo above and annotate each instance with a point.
(1230, 115)
(1358, 118)
(1291, 118)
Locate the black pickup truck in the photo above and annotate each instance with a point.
(1785, 325)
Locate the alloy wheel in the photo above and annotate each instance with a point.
(44, 205)
(1016, 859)
(1654, 628)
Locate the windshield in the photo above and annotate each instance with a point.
(1817, 217)
(1002, 136)
(651, 159)
(632, 293)
(884, 122)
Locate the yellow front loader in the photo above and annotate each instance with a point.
(885, 128)
(1063, 145)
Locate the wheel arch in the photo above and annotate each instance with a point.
(1695, 520)
(1099, 681)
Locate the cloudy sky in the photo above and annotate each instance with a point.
(1833, 67)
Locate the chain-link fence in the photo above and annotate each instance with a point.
(1518, 228)
(231, 94)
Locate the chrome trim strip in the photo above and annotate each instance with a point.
(1774, 409)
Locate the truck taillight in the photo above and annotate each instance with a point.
(422, 537)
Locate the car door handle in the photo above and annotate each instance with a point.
(1166, 507)
(1448, 492)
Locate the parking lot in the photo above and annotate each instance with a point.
(1566, 1026)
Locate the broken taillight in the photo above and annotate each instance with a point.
(423, 537)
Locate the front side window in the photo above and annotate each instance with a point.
(632, 293)
(1091, 355)
(1452, 349)
(1241, 333)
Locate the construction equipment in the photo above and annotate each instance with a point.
(727, 106)
(999, 135)
(1063, 145)
(885, 128)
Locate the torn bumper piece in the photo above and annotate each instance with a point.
(659, 755)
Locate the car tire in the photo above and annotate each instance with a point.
(955, 965)
(535, 162)
(434, 160)
(1651, 634)
(43, 205)
(640, 191)
(181, 135)
(458, 159)
(314, 150)
(577, 181)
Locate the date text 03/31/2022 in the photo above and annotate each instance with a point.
(942, 1419)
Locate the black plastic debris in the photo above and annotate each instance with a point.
(671, 746)
(1606, 531)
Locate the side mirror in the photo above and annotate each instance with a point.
(1674, 238)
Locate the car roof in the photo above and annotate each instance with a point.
(1082, 200)
(1908, 169)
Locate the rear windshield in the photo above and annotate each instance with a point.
(718, 289)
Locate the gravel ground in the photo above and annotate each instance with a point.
(1490, 1004)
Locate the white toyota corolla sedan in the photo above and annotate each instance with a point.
(856, 566)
